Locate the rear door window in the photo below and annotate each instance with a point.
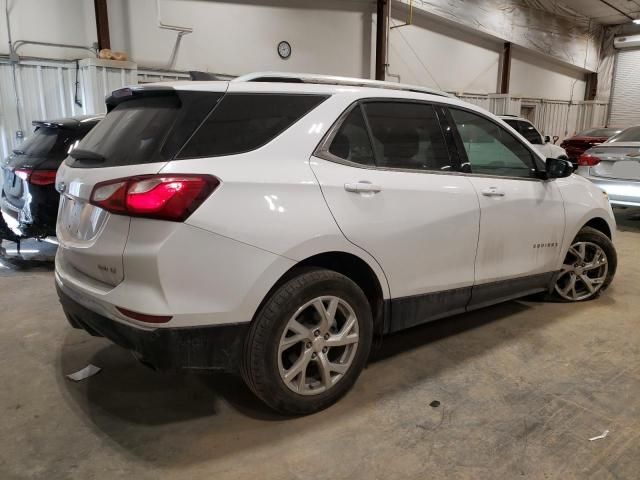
(407, 136)
(243, 122)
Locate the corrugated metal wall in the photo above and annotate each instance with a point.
(46, 89)
(49, 89)
(625, 94)
(552, 117)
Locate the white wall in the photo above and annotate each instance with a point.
(58, 21)
(237, 37)
(432, 53)
(332, 36)
(533, 75)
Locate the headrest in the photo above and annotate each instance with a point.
(340, 146)
(400, 143)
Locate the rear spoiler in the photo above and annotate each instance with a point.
(130, 93)
(68, 123)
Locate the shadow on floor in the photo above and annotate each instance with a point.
(210, 415)
(628, 219)
(33, 256)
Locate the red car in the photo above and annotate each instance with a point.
(583, 141)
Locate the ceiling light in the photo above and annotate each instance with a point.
(637, 21)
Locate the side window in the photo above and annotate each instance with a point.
(243, 122)
(352, 140)
(529, 132)
(490, 148)
(407, 135)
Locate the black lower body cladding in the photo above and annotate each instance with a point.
(208, 347)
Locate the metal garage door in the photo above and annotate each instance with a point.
(625, 97)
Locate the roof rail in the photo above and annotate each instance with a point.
(287, 77)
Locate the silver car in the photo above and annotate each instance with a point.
(614, 166)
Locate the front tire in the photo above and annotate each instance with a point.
(588, 268)
(308, 343)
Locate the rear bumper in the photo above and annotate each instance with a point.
(216, 347)
(40, 219)
(620, 192)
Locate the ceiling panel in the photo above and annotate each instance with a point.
(600, 11)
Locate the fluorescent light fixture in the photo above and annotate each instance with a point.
(637, 21)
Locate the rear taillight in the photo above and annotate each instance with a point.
(144, 317)
(163, 197)
(37, 177)
(586, 160)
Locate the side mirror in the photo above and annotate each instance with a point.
(547, 139)
(558, 168)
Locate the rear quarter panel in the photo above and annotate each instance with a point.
(270, 199)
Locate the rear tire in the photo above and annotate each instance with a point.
(299, 360)
(588, 268)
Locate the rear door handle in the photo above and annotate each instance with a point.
(362, 187)
(493, 192)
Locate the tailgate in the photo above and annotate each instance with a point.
(91, 239)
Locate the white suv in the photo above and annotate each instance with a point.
(272, 225)
(541, 143)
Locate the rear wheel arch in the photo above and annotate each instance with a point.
(349, 265)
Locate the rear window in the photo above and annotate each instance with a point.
(148, 129)
(244, 122)
(48, 142)
(631, 134)
(598, 132)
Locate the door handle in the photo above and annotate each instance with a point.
(362, 187)
(492, 192)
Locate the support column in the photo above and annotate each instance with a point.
(381, 38)
(505, 68)
(591, 90)
(102, 23)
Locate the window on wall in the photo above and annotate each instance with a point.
(407, 135)
(352, 140)
(492, 150)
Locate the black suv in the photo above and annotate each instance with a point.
(29, 201)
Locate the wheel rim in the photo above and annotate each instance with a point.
(583, 273)
(318, 345)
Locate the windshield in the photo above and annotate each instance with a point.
(631, 134)
(599, 132)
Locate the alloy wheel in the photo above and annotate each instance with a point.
(583, 273)
(318, 345)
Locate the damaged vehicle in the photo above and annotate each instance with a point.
(272, 225)
(29, 201)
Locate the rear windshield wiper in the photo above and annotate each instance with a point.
(80, 154)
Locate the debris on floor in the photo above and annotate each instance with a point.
(434, 404)
(86, 372)
(598, 437)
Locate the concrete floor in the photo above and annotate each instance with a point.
(522, 387)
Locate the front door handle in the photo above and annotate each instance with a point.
(493, 192)
(362, 187)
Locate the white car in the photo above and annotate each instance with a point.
(541, 143)
(273, 224)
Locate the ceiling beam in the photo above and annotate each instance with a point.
(617, 9)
